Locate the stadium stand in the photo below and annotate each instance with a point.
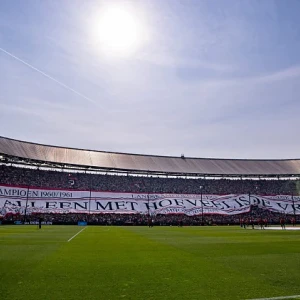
(119, 183)
(35, 165)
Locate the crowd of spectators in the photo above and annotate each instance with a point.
(108, 219)
(120, 183)
(82, 181)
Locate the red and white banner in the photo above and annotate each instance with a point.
(13, 200)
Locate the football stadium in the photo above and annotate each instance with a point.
(84, 224)
(149, 150)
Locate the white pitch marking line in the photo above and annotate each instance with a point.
(76, 234)
(278, 298)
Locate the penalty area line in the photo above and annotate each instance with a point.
(70, 239)
(278, 298)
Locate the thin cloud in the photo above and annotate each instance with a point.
(170, 60)
(285, 74)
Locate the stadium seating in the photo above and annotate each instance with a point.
(82, 181)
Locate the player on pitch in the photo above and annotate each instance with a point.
(282, 222)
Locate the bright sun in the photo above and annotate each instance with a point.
(118, 31)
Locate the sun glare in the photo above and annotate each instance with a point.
(118, 31)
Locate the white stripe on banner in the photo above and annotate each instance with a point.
(278, 298)
(76, 234)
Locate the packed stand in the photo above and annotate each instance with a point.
(117, 183)
(256, 214)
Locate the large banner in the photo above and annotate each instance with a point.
(13, 200)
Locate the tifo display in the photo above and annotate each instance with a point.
(16, 200)
(28, 195)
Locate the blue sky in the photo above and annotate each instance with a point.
(213, 79)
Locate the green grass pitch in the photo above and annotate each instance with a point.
(147, 263)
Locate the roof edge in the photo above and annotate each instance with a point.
(152, 155)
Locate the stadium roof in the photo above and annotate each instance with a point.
(11, 149)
